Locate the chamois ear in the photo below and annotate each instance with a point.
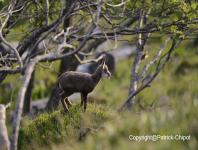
(103, 60)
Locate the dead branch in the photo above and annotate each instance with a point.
(10, 11)
(89, 60)
(159, 67)
(47, 12)
(156, 58)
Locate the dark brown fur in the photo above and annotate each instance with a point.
(77, 82)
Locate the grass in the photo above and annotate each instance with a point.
(56, 127)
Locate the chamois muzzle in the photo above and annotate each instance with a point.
(108, 74)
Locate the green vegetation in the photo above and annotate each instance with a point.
(168, 107)
(57, 127)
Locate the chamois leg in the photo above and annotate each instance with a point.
(67, 101)
(84, 101)
(66, 109)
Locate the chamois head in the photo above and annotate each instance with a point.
(104, 69)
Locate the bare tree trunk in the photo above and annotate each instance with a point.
(28, 94)
(54, 99)
(4, 140)
(19, 106)
(136, 63)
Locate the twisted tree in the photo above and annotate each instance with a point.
(47, 31)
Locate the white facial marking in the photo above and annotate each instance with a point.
(104, 75)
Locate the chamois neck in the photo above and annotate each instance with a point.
(97, 75)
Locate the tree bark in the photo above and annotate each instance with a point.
(136, 62)
(28, 95)
(19, 106)
(4, 140)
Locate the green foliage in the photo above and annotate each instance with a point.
(39, 12)
(44, 129)
(52, 128)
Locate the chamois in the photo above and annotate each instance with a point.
(78, 82)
